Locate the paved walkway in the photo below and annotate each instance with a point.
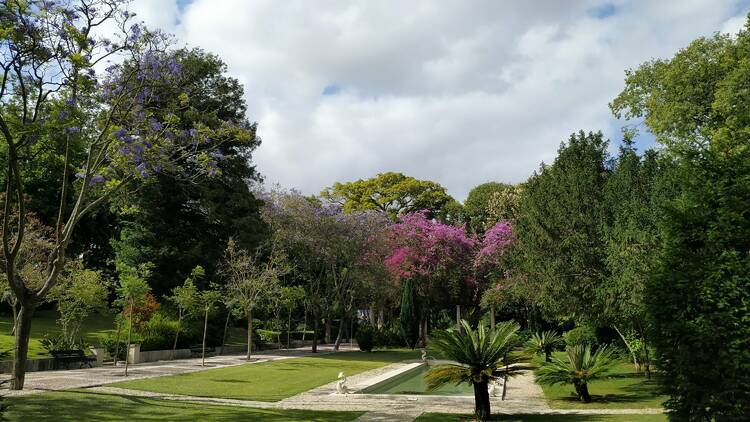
(523, 394)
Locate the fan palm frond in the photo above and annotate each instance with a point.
(581, 367)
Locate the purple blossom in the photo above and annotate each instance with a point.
(73, 129)
(97, 178)
(120, 133)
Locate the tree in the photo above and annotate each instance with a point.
(327, 249)
(696, 105)
(80, 292)
(482, 207)
(185, 298)
(177, 223)
(250, 280)
(207, 299)
(558, 228)
(437, 257)
(481, 357)
(131, 292)
(291, 297)
(581, 368)
(51, 93)
(408, 318)
(390, 193)
(544, 343)
(634, 196)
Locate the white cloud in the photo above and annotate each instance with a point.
(453, 91)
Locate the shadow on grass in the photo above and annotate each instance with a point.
(93, 406)
(436, 417)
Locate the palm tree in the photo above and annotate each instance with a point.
(479, 355)
(544, 342)
(581, 367)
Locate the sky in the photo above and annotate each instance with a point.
(460, 92)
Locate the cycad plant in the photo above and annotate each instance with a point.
(544, 342)
(581, 367)
(480, 356)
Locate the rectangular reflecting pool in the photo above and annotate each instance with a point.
(412, 382)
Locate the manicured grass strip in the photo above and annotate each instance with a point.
(269, 381)
(44, 322)
(443, 417)
(90, 406)
(625, 389)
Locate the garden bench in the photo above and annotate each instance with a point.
(197, 350)
(72, 356)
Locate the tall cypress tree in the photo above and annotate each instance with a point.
(408, 319)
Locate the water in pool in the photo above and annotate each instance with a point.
(412, 382)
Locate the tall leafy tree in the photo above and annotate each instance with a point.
(52, 93)
(391, 193)
(697, 104)
(558, 228)
(176, 223)
(481, 208)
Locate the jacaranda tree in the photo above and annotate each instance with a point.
(59, 87)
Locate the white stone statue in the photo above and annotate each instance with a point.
(494, 388)
(424, 355)
(341, 387)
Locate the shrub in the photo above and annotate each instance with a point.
(387, 337)
(57, 343)
(581, 367)
(365, 337)
(158, 333)
(581, 335)
(544, 343)
(109, 344)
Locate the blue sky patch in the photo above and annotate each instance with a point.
(602, 12)
(332, 89)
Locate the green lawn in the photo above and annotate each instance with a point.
(442, 417)
(625, 389)
(45, 322)
(90, 406)
(270, 381)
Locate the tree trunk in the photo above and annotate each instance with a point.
(482, 408)
(14, 309)
(492, 317)
(304, 326)
(646, 360)
(458, 319)
(636, 364)
(130, 331)
(315, 334)
(381, 318)
(582, 389)
(505, 377)
(249, 333)
(339, 335)
(226, 327)
(117, 343)
(177, 332)
(23, 332)
(289, 330)
(328, 329)
(203, 348)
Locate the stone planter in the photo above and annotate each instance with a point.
(134, 353)
(98, 352)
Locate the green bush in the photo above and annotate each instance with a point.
(387, 337)
(581, 335)
(109, 343)
(364, 337)
(158, 334)
(57, 343)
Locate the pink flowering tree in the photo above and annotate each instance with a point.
(491, 264)
(437, 258)
(83, 75)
